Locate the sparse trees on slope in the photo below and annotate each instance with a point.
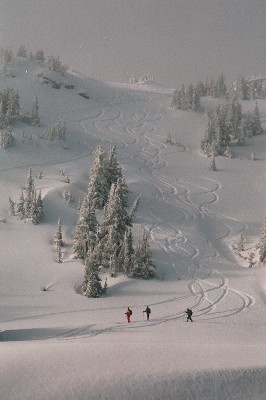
(55, 64)
(30, 204)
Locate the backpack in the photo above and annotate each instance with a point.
(148, 310)
(130, 312)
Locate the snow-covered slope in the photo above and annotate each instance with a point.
(57, 344)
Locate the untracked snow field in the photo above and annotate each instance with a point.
(56, 344)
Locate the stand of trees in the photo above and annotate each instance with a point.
(188, 98)
(107, 240)
(228, 124)
(29, 205)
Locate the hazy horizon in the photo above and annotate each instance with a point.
(174, 40)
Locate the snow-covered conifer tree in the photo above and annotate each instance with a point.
(221, 86)
(189, 96)
(113, 170)
(212, 166)
(115, 214)
(29, 194)
(58, 237)
(126, 255)
(91, 286)
(86, 229)
(21, 206)
(113, 265)
(256, 125)
(59, 256)
(196, 106)
(144, 267)
(133, 209)
(36, 209)
(98, 187)
(11, 206)
(183, 99)
(122, 191)
(243, 89)
(35, 112)
(262, 243)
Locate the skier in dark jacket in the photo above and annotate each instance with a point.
(147, 311)
(189, 315)
(128, 314)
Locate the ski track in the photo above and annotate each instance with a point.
(214, 288)
(208, 287)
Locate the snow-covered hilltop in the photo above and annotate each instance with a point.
(202, 225)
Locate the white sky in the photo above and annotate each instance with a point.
(174, 40)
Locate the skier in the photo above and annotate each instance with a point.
(147, 311)
(128, 314)
(189, 314)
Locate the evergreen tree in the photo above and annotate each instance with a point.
(98, 187)
(59, 255)
(29, 194)
(85, 231)
(21, 206)
(122, 191)
(189, 97)
(243, 89)
(36, 210)
(35, 112)
(126, 255)
(221, 86)
(114, 214)
(196, 106)
(113, 265)
(262, 243)
(113, 170)
(256, 125)
(11, 207)
(91, 286)
(183, 99)
(144, 267)
(134, 208)
(212, 166)
(58, 238)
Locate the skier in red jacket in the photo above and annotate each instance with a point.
(128, 314)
